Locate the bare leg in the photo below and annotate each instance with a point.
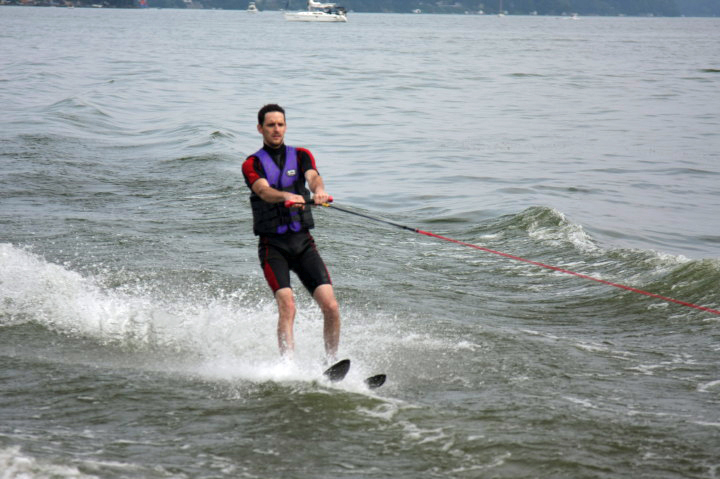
(325, 297)
(286, 319)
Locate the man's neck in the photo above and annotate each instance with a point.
(272, 148)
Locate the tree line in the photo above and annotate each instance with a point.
(659, 8)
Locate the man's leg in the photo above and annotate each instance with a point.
(277, 274)
(286, 319)
(325, 297)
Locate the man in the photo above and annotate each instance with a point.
(275, 174)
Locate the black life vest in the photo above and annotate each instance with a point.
(274, 218)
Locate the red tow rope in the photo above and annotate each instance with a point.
(289, 204)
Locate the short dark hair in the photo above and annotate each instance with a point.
(268, 109)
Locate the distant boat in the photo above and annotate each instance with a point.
(252, 8)
(318, 12)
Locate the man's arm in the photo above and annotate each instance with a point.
(262, 188)
(317, 186)
(313, 178)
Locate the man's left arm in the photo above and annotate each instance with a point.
(317, 186)
(313, 178)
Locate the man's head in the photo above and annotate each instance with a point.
(271, 125)
(267, 109)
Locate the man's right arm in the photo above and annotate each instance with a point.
(262, 188)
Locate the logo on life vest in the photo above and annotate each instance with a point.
(291, 172)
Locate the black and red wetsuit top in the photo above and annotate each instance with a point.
(274, 218)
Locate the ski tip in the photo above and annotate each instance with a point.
(337, 371)
(376, 381)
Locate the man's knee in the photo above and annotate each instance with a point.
(330, 308)
(286, 301)
(326, 300)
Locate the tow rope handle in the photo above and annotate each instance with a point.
(291, 204)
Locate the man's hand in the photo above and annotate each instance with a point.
(321, 197)
(296, 200)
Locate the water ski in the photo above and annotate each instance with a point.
(376, 381)
(339, 370)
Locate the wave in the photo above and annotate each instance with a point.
(534, 249)
(33, 290)
(196, 329)
(545, 235)
(546, 225)
(109, 121)
(86, 118)
(16, 464)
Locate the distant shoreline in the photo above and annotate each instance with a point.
(192, 5)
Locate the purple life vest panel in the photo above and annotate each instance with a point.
(283, 180)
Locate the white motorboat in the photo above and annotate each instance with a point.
(318, 12)
(252, 8)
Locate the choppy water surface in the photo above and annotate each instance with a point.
(137, 335)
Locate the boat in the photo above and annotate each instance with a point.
(318, 12)
(252, 8)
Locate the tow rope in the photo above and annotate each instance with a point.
(289, 204)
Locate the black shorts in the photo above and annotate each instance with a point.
(292, 252)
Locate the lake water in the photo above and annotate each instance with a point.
(137, 334)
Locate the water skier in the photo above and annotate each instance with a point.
(275, 174)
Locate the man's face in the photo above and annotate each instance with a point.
(273, 130)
